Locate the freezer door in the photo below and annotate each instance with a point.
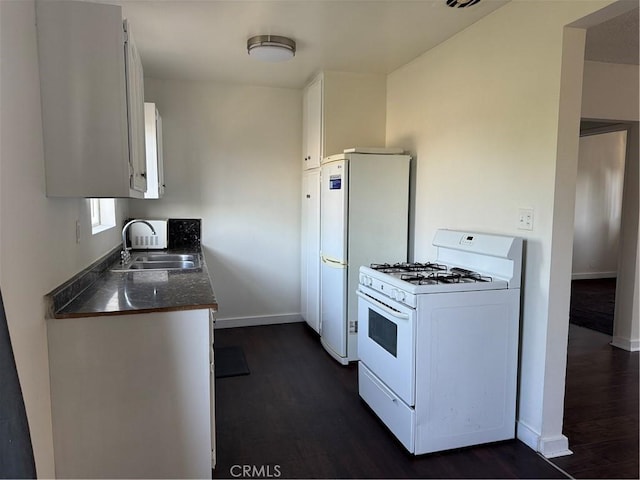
(333, 306)
(333, 208)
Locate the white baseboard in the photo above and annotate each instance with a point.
(550, 447)
(628, 344)
(593, 275)
(255, 321)
(527, 435)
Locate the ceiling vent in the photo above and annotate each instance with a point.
(461, 3)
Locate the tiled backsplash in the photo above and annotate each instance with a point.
(184, 232)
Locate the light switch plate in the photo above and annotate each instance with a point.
(525, 219)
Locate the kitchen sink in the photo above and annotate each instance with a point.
(166, 257)
(159, 261)
(174, 265)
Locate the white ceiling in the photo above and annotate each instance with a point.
(614, 41)
(206, 39)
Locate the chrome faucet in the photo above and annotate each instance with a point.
(125, 256)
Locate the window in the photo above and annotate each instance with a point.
(103, 214)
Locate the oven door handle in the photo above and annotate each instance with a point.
(382, 306)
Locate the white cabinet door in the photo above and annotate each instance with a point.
(311, 248)
(153, 140)
(135, 109)
(83, 83)
(131, 395)
(342, 110)
(212, 388)
(312, 124)
(160, 152)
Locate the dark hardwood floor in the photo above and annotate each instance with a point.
(593, 303)
(601, 408)
(298, 415)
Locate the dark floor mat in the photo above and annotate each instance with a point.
(230, 362)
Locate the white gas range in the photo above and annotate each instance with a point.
(438, 342)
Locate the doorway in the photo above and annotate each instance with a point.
(597, 224)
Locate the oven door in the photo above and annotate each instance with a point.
(386, 341)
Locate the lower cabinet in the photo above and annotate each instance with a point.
(132, 396)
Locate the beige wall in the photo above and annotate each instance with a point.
(610, 91)
(598, 205)
(482, 115)
(232, 156)
(38, 249)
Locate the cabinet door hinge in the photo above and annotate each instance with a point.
(125, 30)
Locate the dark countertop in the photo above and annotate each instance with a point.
(103, 292)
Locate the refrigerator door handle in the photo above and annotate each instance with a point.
(333, 262)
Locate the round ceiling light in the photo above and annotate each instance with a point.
(271, 48)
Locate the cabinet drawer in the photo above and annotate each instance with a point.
(395, 414)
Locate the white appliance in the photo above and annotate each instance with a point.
(364, 211)
(142, 238)
(438, 342)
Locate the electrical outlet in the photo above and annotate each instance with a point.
(525, 219)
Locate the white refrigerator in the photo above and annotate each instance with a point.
(364, 216)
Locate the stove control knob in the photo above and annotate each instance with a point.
(399, 295)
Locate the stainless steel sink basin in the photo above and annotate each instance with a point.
(166, 257)
(159, 261)
(168, 265)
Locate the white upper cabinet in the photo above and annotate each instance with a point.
(92, 97)
(153, 138)
(342, 110)
(312, 124)
(135, 109)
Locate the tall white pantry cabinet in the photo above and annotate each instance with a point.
(340, 110)
(92, 94)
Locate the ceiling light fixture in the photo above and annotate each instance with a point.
(271, 48)
(461, 3)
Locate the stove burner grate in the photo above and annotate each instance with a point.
(471, 275)
(408, 267)
(455, 275)
(430, 273)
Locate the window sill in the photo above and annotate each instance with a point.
(100, 228)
